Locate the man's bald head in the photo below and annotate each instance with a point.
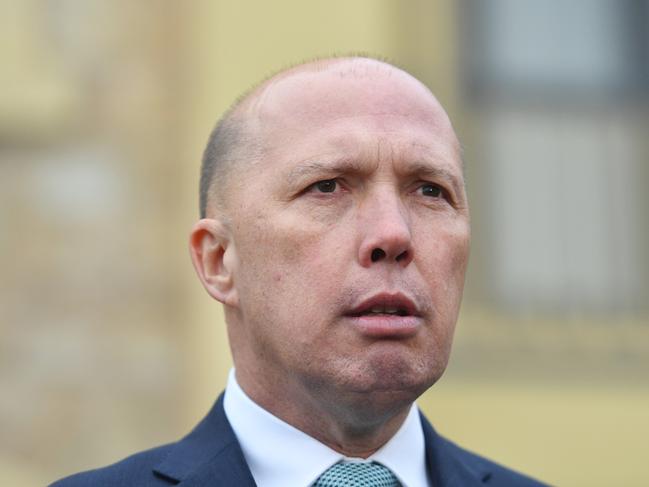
(236, 141)
(346, 195)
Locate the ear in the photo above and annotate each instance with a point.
(214, 257)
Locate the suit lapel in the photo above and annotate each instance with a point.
(227, 468)
(447, 465)
(209, 455)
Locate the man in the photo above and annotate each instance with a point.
(335, 231)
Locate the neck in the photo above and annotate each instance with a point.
(356, 428)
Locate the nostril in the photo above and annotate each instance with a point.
(377, 254)
(403, 255)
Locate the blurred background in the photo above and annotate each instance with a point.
(108, 343)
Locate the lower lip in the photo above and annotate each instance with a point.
(386, 326)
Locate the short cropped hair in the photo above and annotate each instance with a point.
(226, 144)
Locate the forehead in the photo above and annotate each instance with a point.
(345, 89)
(351, 109)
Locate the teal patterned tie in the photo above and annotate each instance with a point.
(356, 474)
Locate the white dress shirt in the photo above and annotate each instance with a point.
(280, 455)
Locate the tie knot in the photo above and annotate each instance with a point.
(357, 474)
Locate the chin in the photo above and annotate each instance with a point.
(390, 381)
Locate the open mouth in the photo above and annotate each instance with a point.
(382, 311)
(387, 316)
(385, 304)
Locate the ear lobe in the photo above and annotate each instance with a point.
(212, 253)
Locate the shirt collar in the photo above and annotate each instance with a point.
(279, 454)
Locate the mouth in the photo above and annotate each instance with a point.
(386, 315)
(395, 304)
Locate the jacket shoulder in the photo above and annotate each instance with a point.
(209, 453)
(135, 470)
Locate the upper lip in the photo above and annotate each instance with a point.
(398, 302)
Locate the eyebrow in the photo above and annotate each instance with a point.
(308, 168)
(352, 166)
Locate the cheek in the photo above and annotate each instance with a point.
(289, 256)
(309, 249)
(445, 256)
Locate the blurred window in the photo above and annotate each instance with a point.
(553, 47)
(562, 150)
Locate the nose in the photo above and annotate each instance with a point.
(385, 232)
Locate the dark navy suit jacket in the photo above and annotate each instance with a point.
(211, 456)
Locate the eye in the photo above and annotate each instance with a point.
(432, 190)
(326, 186)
